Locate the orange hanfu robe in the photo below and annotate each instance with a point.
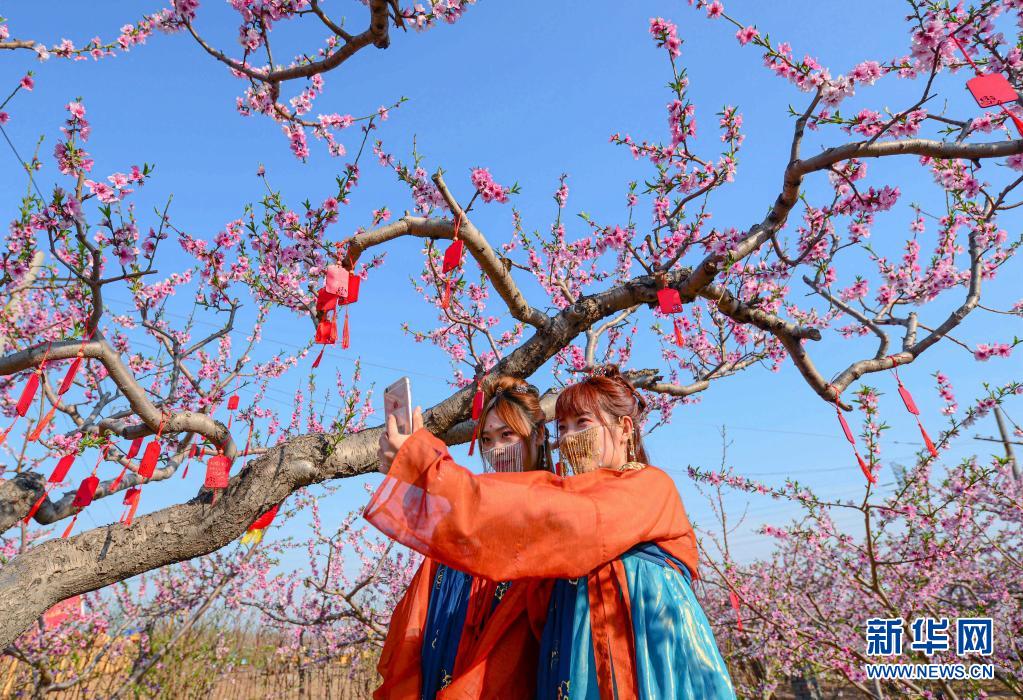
(535, 525)
(497, 650)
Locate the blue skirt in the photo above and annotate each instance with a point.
(676, 654)
(445, 618)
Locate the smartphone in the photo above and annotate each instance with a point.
(398, 403)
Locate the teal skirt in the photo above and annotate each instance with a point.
(677, 656)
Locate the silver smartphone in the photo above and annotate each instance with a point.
(398, 403)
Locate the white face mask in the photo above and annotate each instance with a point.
(583, 449)
(506, 458)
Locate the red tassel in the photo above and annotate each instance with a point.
(316, 362)
(475, 434)
(27, 394)
(41, 425)
(85, 493)
(866, 469)
(70, 527)
(927, 439)
(134, 448)
(4, 434)
(61, 470)
(734, 600)
(218, 468)
(149, 458)
(69, 377)
(117, 482)
(34, 509)
(845, 426)
(679, 340)
(445, 300)
(452, 257)
(345, 337)
(1015, 120)
(184, 473)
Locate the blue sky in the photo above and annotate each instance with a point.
(530, 90)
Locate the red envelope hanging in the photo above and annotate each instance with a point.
(85, 493)
(134, 448)
(62, 468)
(336, 280)
(452, 256)
(27, 394)
(232, 403)
(354, 281)
(991, 89)
(325, 301)
(218, 470)
(131, 501)
(69, 377)
(669, 301)
(149, 459)
(326, 331)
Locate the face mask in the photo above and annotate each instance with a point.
(583, 449)
(507, 458)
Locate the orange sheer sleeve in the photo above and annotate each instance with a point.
(400, 664)
(525, 525)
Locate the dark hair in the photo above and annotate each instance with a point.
(605, 393)
(517, 403)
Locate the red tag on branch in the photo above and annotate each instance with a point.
(69, 377)
(336, 280)
(61, 470)
(991, 89)
(353, 290)
(232, 403)
(866, 469)
(85, 492)
(34, 509)
(149, 459)
(477, 403)
(452, 256)
(734, 600)
(669, 301)
(218, 469)
(325, 301)
(134, 448)
(907, 399)
(845, 426)
(27, 394)
(264, 520)
(132, 495)
(326, 331)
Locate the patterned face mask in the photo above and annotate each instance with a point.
(506, 458)
(583, 449)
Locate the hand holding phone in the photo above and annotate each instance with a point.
(398, 403)
(392, 440)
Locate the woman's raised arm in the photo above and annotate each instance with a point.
(524, 525)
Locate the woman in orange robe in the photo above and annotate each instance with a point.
(622, 621)
(439, 624)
